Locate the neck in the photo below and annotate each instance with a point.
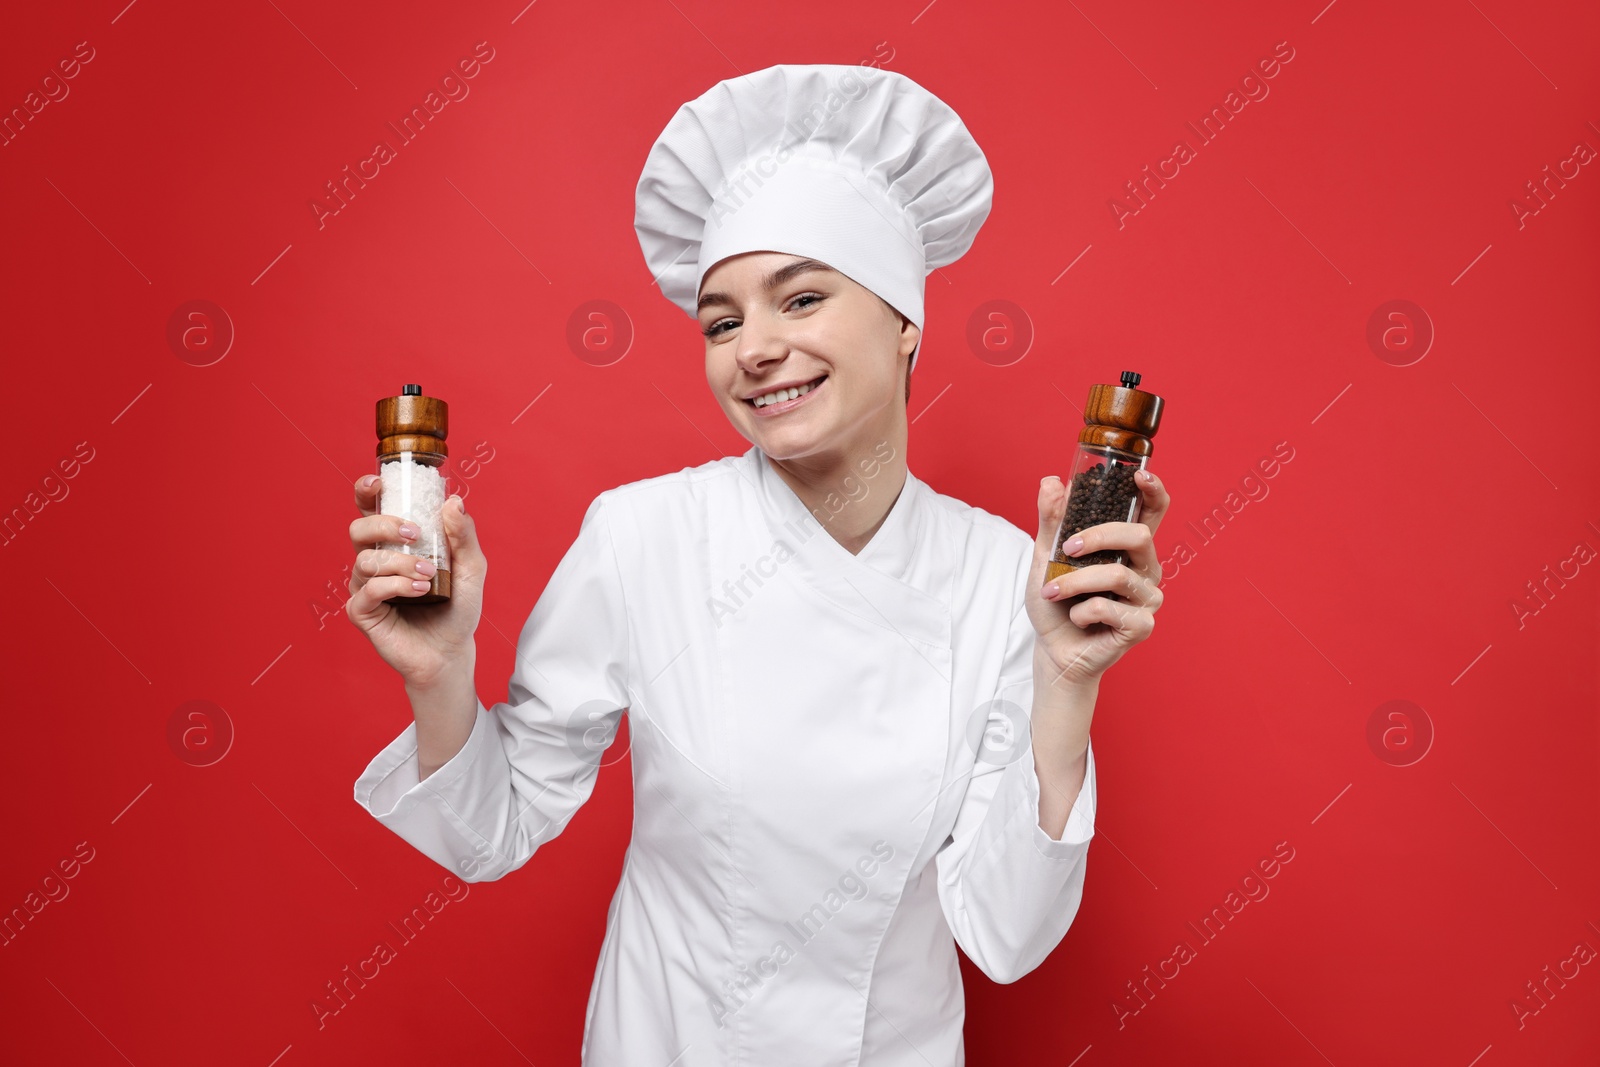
(850, 491)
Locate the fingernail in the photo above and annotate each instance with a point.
(409, 532)
(1051, 591)
(366, 482)
(426, 567)
(421, 587)
(1148, 477)
(1073, 547)
(461, 503)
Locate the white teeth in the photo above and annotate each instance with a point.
(785, 394)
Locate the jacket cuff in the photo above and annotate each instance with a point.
(440, 816)
(1080, 820)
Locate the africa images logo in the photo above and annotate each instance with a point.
(454, 88)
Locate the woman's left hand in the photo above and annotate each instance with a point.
(1082, 640)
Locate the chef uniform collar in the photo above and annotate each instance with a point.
(890, 548)
(860, 168)
(900, 581)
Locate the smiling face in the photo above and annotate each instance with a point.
(773, 320)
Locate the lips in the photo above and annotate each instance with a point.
(780, 389)
(782, 406)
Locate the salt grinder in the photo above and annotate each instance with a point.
(412, 458)
(1112, 448)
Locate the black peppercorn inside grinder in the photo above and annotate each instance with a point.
(1113, 447)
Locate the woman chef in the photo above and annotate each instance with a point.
(858, 724)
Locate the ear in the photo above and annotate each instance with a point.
(910, 336)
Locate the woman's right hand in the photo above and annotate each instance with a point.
(423, 641)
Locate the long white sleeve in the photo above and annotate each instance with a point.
(1008, 890)
(530, 762)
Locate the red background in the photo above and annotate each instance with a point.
(201, 553)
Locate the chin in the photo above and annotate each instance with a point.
(784, 446)
(789, 443)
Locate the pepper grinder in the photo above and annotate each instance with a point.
(412, 458)
(1113, 446)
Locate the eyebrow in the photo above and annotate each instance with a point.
(773, 280)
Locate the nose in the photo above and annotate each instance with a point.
(760, 342)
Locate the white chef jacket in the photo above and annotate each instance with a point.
(825, 788)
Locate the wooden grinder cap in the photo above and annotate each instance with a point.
(1121, 417)
(412, 422)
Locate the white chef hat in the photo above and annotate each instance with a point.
(860, 168)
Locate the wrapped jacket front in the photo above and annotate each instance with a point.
(833, 781)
